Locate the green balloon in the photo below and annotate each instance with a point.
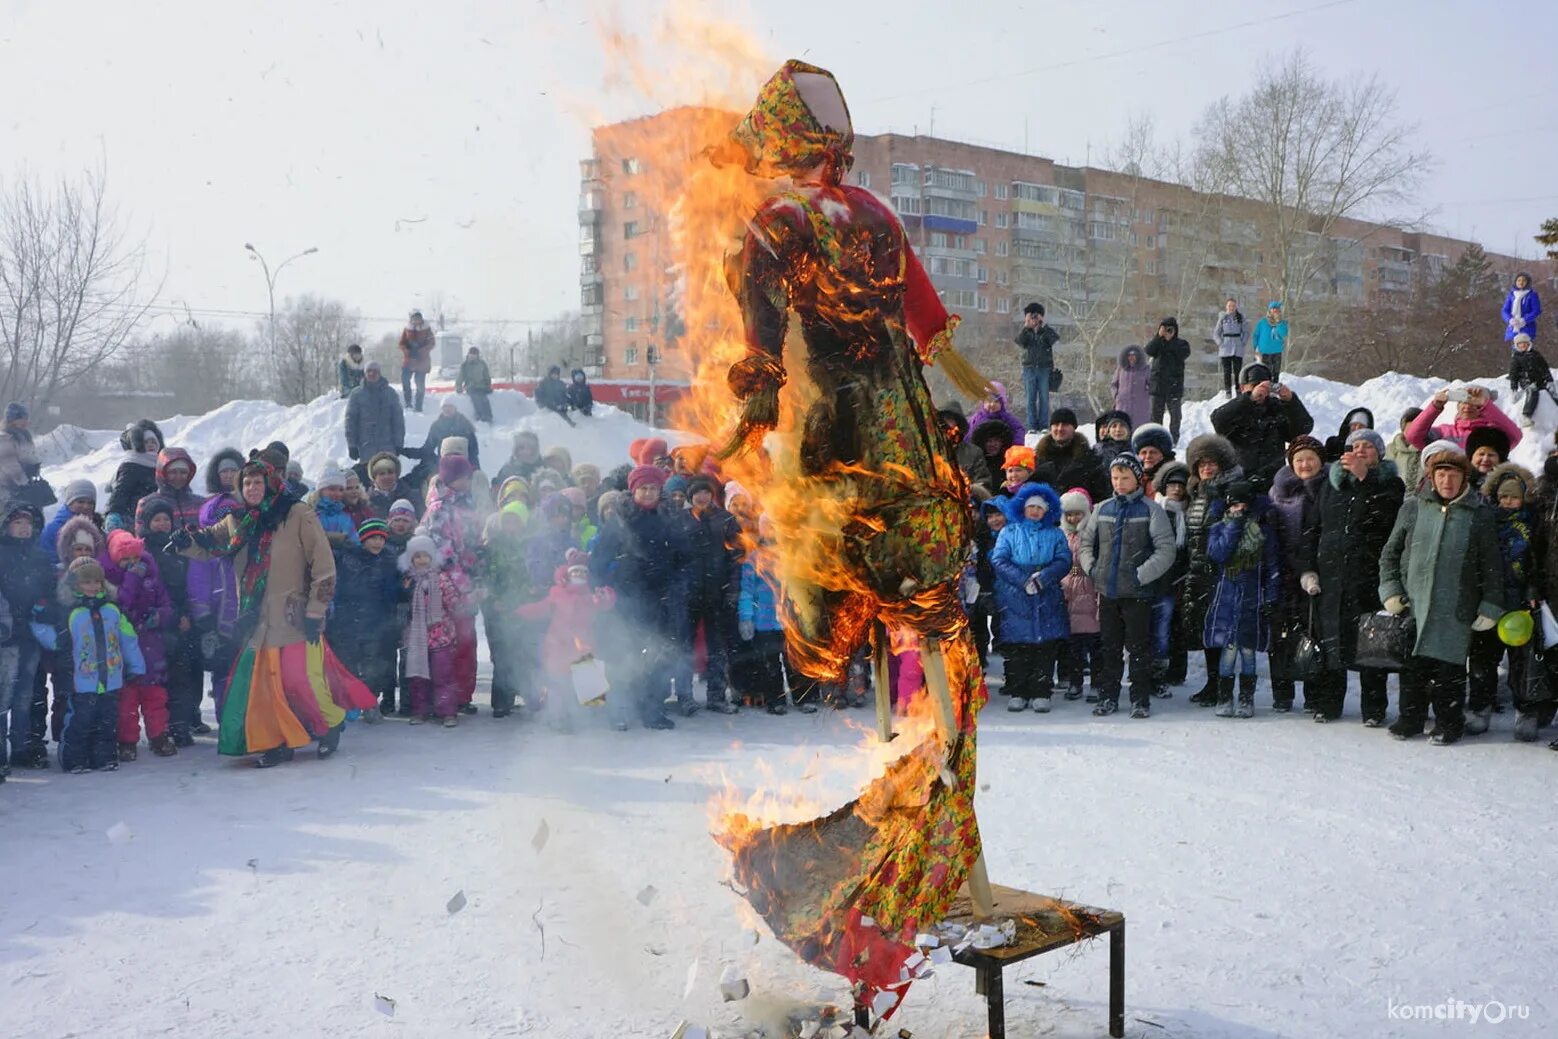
(1515, 628)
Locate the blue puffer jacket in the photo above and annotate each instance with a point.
(1240, 610)
(1026, 547)
(103, 647)
(758, 603)
(332, 516)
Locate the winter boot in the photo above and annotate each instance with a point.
(1160, 681)
(182, 738)
(1525, 727)
(1041, 705)
(163, 746)
(1477, 721)
(127, 752)
(1404, 728)
(1074, 690)
(1246, 708)
(720, 705)
(330, 742)
(1208, 695)
(1143, 709)
(1092, 696)
(1443, 737)
(273, 757)
(467, 708)
(1224, 696)
(1106, 706)
(451, 721)
(200, 728)
(778, 707)
(1017, 703)
(36, 757)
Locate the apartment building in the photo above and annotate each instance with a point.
(995, 229)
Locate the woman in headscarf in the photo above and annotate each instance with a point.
(286, 688)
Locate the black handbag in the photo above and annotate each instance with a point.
(1056, 377)
(1384, 641)
(1305, 657)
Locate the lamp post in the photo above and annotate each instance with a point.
(270, 283)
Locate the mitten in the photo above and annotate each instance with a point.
(1483, 623)
(1310, 583)
(747, 629)
(1396, 605)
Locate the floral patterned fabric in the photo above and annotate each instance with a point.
(781, 134)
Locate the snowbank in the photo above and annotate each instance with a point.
(316, 434)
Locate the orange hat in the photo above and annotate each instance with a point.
(1018, 457)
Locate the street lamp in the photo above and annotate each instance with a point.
(270, 283)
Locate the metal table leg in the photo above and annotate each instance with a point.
(863, 1017)
(988, 983)
(1117, 981)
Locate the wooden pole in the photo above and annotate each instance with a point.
(940, 691)
(884, 693)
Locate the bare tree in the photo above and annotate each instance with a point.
(1313, 152)
(71, 291)
(208, 365)
(311, 334)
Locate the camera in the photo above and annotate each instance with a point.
(1459, 394)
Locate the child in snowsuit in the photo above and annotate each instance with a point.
(1242, 545)
(186, 674)
(105, 652)
(143, 598)
(1510, 488)
(572, 609)
(362, 626)
(1030, 559)
(330, 507)
(983, 617)
(436, 598)
(1529, 373)
(757, 622)
(1081, 597)
(453, 525)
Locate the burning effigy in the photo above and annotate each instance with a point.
(839, 322)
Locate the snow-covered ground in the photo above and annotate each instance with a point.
(1279, 878)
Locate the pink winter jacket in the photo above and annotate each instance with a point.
(1081, 594)
(1423, 432)
(571, 611)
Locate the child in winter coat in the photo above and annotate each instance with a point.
(1081, 596)
(1407, 459)
(757, 622)
(1031, 558)
(572, 609)
(1172, 493)
(105, 653)
(997, 407)
(186, 681)
(1017, 465)
(1529, 373)
(330, 507)
(1242, 545)
(453, 525)
(1129, 386)
(435, 593)
(363, 629)
(1521, 308)
(1511, 488)
(143, 598)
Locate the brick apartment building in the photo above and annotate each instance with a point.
(995, 229)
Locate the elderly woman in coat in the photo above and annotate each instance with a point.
(1442, 562)
(287, 688)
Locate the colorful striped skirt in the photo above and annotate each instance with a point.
(288, 696)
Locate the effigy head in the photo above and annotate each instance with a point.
(800, 122)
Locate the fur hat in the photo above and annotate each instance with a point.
(702, 483)
(79, 490)
(124, 545)
(646, 474)
(401, 507)
(382, 462)
(650, 450)
(452, 468)
(1151, 434)
(1241, 491)
(995, 429)
(1254, 375)
(1446, 459)
(454, 446)
(1076, 500)
(558, 458)
(1367, 434)
(585, 471)
(84, 569)
(1488, 436)
(1508, 474)
(1305, 442)
(150, 506)
(419, 543)
(1439, 447)
(1211, 446)
(1018, 458)
(79, 530)
(1112, 416)
(1063, 416)
(1127, 461)
(1170, 472)
(1523, 337)
(609, 501)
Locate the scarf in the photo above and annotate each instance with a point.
(427, 609)
(1516, 305)
(1247, 555)
(146, 458)
(252, 527)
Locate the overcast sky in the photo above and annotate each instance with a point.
(429, 148)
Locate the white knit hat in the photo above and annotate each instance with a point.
(1075, 500)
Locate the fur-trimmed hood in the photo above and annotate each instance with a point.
(67, 537)
(1013, 506)
(1218, 448)
(214, 468)
(1509, 470)
(1141, 358)
(1167, 470)
(992, 428)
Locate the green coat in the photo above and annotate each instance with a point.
(1444, 558)
(474, 377)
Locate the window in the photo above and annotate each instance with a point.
(589, 169)
(1100, 230)
(590, 295)
(630, 229)
(1036, 193)
(904, 173)
(1001, 192)
(950, 267)
(1146, 216)
(1001, 221)
(1003, 305)
(1152, 241)
(1000, 277)
(630, 323)
(1035, 222)
(630, 293)
(629, 199)
(906, 205)
(863, 178)
(979, 246)
(981, 274)
(654, 355)
(984, 217)
(957, 208)
(938, 240)
(630, 262)
(1002, 248)
(1152, 268)
(630, 166)
(979, 188)
(630, 355)
(950, 180)
(983, 303)
(961, 298)
(1073, 200)
(588, 265)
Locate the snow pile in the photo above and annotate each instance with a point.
(316, 433)
(1387, 396)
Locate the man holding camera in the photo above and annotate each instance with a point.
(1038, 362)
(1260, 421)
